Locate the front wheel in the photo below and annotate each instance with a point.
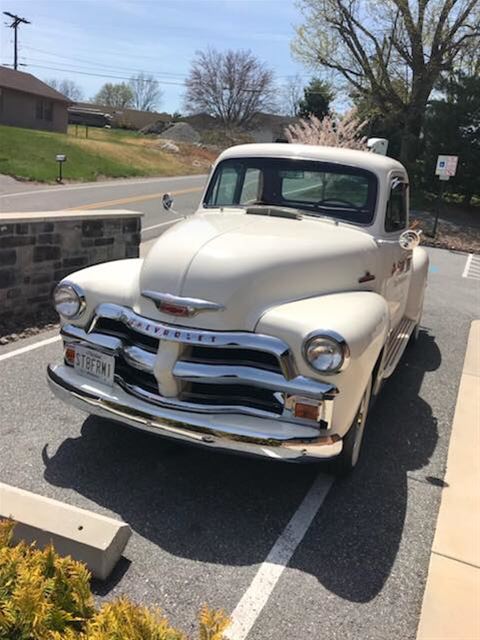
(352, 442)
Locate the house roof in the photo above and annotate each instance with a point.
(20, 81)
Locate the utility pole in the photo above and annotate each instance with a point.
(16, 21)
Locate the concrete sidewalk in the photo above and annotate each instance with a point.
(451, 603)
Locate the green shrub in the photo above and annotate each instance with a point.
(46, 597)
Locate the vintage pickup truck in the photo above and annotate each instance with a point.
(266, 322)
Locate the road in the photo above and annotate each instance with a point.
(350, 566)
(143, 195)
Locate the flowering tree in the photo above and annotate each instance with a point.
(332, 131)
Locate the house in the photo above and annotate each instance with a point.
(26, 101)
(269, 127)
(263, 127)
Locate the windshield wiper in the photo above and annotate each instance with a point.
(272, 210)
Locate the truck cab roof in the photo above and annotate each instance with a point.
(382, 166)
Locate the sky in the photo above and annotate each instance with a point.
(98, 41)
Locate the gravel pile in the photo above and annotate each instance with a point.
(181, 132)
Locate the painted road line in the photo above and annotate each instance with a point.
(467, 266)
(256, 596)
(472, 267)
(101, 185)
(131, 199)
(30, 347)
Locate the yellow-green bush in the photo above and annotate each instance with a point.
(46, 597)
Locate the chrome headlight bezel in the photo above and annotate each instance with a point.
(77, 298)
(332, 340)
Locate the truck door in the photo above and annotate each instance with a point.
(397, 261)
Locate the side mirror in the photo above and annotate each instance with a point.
(167, 201)
(409, 239)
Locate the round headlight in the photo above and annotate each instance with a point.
(326, 354)
(68, 300)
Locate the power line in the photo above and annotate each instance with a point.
(97, 64)
(96, 75)
(68, 69)
(15, 24)
(115, 71)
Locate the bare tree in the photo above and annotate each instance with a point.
(291, 94)
(332, 131)
(232, 86)
(69, 88)
(393, 57)
(146, 91)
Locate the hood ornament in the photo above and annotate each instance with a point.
(180, 306)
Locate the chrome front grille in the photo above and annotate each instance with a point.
(216, 372)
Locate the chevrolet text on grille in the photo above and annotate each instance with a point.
(158, 331)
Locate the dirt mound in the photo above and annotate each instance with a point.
(155, 127)
(181, 132)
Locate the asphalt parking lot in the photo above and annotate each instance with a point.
(204, 524)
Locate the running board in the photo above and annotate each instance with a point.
(396, 344)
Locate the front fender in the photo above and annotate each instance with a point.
(360, 317)
(116, 281)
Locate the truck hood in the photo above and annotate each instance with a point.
(249, 263)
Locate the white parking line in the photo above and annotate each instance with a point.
(472, 267)
(467, 265)
(30, 347)
(256, 596)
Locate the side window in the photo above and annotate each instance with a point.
(48, 110)
(396, 214)
(39, 109)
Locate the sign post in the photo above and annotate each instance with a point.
(445, 169)
(60, 158)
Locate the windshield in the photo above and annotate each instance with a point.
(314, 187)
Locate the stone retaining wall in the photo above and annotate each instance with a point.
(39, 249)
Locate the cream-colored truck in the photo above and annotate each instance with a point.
(263, 324)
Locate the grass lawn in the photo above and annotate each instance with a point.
(30, 154)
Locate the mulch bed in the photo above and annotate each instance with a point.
(27, 326)
(449, 235)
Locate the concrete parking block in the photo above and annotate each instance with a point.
(96, 540)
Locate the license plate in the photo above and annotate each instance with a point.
(94, 364)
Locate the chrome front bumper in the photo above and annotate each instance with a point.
(268, 438)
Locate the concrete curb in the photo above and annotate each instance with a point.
(451, 602)
(96, 540)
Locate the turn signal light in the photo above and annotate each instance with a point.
(307, 411)
(69, 354)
